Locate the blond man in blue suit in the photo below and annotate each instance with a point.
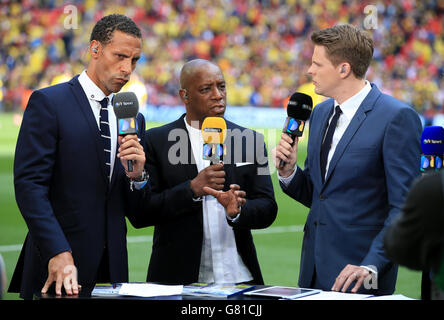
(363, 154)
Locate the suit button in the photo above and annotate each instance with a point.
(322, 197)
(316, 223)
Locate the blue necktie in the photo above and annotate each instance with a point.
(106, 136)
(326, 145)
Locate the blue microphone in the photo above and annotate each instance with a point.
(432, 146)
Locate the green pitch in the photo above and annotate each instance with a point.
(278, 247)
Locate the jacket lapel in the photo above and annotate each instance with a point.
(359, 117)
(229, 161)
(190, 167)
(83, 103)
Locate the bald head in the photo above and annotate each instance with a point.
(189, 70)
(202, 90)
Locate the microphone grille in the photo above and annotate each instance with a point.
(125, 105)
(299, 106)
(432, 140)
(214, 130)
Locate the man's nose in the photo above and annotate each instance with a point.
(126, 67)
(217, 93)
(309, 71)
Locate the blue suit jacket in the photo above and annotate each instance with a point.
(63, 193)
(369, 175)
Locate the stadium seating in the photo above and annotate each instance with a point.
(263, 46)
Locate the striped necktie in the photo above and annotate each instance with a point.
(105, 134)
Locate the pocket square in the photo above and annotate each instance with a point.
(240, 164)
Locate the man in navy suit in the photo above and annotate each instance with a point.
(363, 154)
(70, 187)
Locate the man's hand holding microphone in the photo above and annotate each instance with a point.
(285, 154)
(130, 152)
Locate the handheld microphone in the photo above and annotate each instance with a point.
(298, 110)
(126, 107)
(214, 132)
(432, 146)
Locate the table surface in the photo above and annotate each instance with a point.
(85, 293)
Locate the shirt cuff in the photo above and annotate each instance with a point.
(140, 185)
(371, 269)
(286, 181)
(235, 218)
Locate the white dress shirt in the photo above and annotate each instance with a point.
(220, 262)
(95, 95)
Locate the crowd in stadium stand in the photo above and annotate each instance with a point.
(263, 47)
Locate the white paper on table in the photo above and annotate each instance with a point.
(149, 290)
(333, 295)
(391, 297)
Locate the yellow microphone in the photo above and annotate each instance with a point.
(214, 132)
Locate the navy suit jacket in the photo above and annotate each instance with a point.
(178, 219)
(369, 175)
(63, 193)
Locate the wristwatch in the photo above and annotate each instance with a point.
(143, 178)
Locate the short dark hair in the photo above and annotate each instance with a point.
(346, 43)
(104, 28)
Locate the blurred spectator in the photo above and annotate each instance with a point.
(262, 46)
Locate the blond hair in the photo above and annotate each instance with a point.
(346, 43)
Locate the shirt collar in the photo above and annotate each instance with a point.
(92, 91)
(190, 128)
(351, 105)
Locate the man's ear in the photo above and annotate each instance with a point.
(344, 69)
(183, 95)
(94, 48)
